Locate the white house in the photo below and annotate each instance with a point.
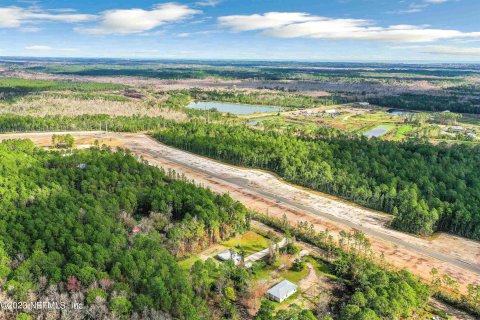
(281, 291)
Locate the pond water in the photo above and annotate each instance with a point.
(376, 132)
(232, 107)
(398, 112)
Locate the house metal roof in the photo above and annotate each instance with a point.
(282, 289)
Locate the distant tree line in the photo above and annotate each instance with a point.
(461, 103)
(15, 87)
(16, 123)
(280, 99)
(10, 123)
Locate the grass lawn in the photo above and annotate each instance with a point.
(401, 131)
(321, 267)
(288, 301)
(265, 271)
(250, 241)
(388, 127)
(294, 276)
(186, 264)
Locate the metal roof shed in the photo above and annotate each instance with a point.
(282, 291)
(229, 255)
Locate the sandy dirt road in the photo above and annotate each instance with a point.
(263, 192)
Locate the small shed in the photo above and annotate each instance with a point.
(229, 255)
(281, 291)
(457, 128)
(363, 104)
(331, 112)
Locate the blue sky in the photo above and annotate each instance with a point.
(316, 30)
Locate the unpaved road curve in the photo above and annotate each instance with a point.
(261, 191)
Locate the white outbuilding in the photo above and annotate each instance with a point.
(229, 255)
(281, 291)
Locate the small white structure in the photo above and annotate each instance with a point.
(331, 112)
(82, 166)
(457, 128)
(303, 253)
(281, 291)
(229, 255)
(363, 104)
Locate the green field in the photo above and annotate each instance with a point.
(250, 241)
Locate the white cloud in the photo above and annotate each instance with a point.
(38, 48)
(420, 6)
(189, 34)
(303, 25)
(16, 17)
(30, 29)
(447, 50)
(47, 48)
(208, 3)
(128, 21)
(436, 1)
(268, 20)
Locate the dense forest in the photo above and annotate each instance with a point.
(280, 99)
(379, 294)
(258, 70)
(14, 87)
(17, 123)
(21, 123)
(66, 230)
(465, 102)
(426, 187)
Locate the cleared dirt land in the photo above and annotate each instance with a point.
(263, 192)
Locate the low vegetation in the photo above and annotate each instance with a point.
(12, 88)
